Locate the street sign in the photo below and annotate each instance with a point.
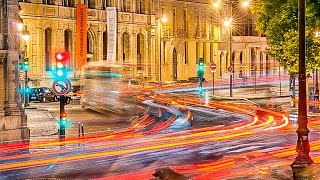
(61, 87)
(213, 67)
(230, 69)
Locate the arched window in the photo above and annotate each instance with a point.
(253, 62)
(232, 58)
(68, 45)
(227, 60)
(105, 45)
(140, 54)
(90, 44)
(125, 6)
(140, 6)
(221, 61)
(69, 3)
(125, 47)
(241, 57)
(91, 3)
(47, 1)
(48, 48)
(109, 3)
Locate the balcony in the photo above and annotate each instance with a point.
(175, 33)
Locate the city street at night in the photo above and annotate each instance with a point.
(159, 90)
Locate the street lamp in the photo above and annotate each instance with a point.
(302, 167)
(162, 30)
(228, 23)
(20, 27)
(245, 4)
(164, 19)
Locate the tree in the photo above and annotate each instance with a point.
(278, 20)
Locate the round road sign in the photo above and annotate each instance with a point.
(213, 66)
(230, 69)
(61, 87)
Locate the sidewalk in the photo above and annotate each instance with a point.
(42, 125)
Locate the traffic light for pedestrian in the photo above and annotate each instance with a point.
(200, 68)
(61, 64)
(24, 65)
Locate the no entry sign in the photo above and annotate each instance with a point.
(213, 67)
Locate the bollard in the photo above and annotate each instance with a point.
(206, 97)
(79, 129)
(82, 130)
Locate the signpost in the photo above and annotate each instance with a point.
(230, 70)
(213, 67)
(61, 86)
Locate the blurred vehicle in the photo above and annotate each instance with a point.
(109, 87)
(42, 94)
(74, 93)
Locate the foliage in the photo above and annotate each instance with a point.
(278, 20)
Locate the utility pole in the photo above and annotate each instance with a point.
(302, 167)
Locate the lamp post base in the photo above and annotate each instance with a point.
(303, 168)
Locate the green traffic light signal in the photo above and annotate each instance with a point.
(25, 64)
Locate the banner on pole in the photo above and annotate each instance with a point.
(112, 34)
(81, 35)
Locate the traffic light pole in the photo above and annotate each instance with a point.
(62, 130)
(26, 87)
(212, 84)
(200, 87)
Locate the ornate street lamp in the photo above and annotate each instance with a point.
(229, 24)
(303, 165)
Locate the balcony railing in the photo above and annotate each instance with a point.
(175, 33)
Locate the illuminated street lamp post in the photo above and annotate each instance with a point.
(229, 24)
(302, 167)
(163, 27)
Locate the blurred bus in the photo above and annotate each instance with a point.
(109, 87)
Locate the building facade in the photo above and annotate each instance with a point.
(13, 120)
(161, 39)
(52, 28)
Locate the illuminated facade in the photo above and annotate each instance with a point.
(159, 49)
(13, 120)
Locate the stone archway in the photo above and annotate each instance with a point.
(174, 64)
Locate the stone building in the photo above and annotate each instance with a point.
(13, 122)
(52, 26)
(162, 39)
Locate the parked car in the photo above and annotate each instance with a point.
(42, 94)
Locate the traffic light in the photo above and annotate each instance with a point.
(63, 118)
(24, 65)
(61, 65)
(200, 68)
